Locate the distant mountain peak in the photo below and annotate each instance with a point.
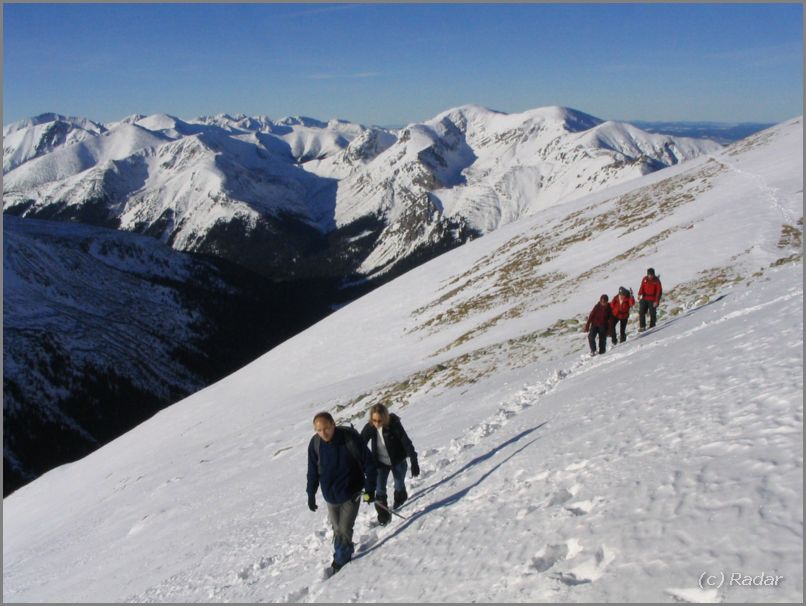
(467, 171)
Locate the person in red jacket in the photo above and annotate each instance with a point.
(599, 323)
(621, 311)
(649, 296)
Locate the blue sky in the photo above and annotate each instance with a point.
(396, 64)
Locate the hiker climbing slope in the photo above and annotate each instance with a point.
(620, 307)
(339, 463)
(649, 296)
(600, 321)
(390, 445)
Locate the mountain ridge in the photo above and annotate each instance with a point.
(431, 186)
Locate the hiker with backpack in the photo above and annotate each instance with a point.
(390, 445)
(600, 322)
(341, 464)
(620, 306)
(649, 296)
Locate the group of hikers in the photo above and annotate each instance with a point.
(340, 462)
(345, 464)
(606, 315)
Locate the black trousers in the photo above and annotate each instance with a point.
(622, 324)
(643, 307)
(602, 332)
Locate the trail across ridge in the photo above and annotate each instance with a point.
(772, 194)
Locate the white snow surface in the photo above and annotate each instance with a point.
(645, 474)
(470, 163)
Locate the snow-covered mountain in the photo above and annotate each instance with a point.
(668, 469)
(102, 328)
(35, 137)
(303, 197)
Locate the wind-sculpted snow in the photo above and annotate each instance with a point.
(667, 469)
(432, 186)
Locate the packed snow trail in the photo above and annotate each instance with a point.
(685, 476)
(595, 475)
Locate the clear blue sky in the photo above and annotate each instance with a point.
(396, 64)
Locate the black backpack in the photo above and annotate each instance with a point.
(351, 441)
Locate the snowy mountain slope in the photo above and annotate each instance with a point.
(478, 169)
(103, 328)
(29, 139)
(209, 184)
(547, 475)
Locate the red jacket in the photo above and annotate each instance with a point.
(650, 290)
(621, 309)
(601, 315)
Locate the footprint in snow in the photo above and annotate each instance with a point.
(295, 597)
(589, 570)
(562, 496)
(580, 508)
(367, 540)
(552, 554)
(549, 556)
(261, 564)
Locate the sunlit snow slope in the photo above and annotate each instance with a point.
(547, 475)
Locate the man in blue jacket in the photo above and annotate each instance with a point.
(342, 465)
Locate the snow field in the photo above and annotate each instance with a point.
(658, 447)
(624, 477)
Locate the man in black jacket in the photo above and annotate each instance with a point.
(341, 464)
(390, 447)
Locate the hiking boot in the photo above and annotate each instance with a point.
(400, 498)
(383, 516)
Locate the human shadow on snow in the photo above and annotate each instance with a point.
(457, 496)
(667, 323)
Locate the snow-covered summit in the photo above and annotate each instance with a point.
(29, 139)
(628, 477)
(427, 187)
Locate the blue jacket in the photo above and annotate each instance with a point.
(342, 477)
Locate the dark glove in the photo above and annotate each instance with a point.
(369, 496)
(312, 502)
(415, 468)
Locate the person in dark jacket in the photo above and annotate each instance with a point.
(340, 463)
(600, 321)
(649, 296)
(620, 306)
(390, 445)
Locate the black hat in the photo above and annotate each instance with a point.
(604, 297)
(623, 291)
(650, 271)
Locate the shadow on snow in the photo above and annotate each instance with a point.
(457, 496)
